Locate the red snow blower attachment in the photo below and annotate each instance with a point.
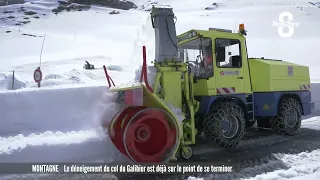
(143, 134)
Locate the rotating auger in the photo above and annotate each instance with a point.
(144, 134)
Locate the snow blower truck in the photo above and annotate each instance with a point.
(205, 75)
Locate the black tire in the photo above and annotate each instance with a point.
(289, 119)
(186, 156)
(213, 128)
(250, 124)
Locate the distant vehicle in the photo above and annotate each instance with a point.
(88, 65)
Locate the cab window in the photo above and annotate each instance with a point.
(198, 53)
(228, 53)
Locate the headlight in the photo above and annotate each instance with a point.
(190, 35)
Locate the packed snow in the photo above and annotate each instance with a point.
(61, 120)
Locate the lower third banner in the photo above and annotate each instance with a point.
(27, 168)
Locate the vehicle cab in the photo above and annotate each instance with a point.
(217, 59)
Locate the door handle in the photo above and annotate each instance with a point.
(239, 77)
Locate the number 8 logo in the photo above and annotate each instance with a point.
(281, 20)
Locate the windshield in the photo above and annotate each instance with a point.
(198, 53)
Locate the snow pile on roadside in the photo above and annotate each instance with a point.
(194, 178)
(290, 166)
(302, 164)
(7, 81)
(19, 142)
(54, 123)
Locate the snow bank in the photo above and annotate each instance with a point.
(105, 109)
(194, 178)
(57, 125)
(8, 82)
(313, 176)
(39, 6)
(73, 146)
(288, 166)
(301, 164)
(18, 142)
(70, 73)
(71, 109)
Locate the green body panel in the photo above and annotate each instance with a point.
(171, 84)
(273, 75)
(201, 87)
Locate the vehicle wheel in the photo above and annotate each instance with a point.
(225, 124)
(186, 155)
(250, 124)
(289, 119)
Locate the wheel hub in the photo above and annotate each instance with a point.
(186, 153)
(229, 126)
(143, 133)
(292, 117)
